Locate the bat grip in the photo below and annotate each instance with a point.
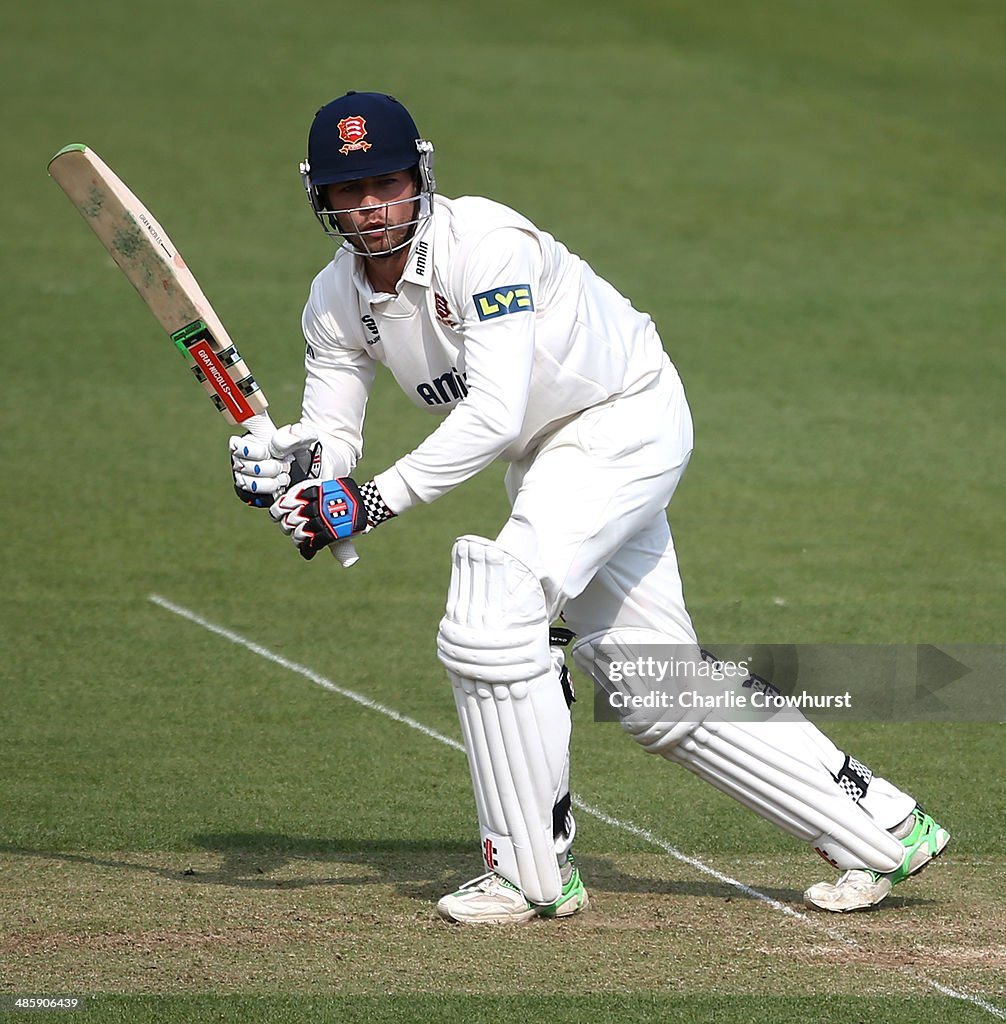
(262, 427)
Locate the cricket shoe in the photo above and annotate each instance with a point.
(491, 899)
(861, 888)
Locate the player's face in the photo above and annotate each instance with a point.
(375, 215)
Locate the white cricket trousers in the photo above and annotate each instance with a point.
(588, 513)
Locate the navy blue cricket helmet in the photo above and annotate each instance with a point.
(362, 135)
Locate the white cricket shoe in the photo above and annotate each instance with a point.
(861, 888)
(491, 899)
(854, 890)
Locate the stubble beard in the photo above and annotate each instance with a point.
(395, 237)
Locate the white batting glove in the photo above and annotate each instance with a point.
(263, 470)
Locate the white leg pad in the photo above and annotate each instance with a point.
(788, 772)
(776, 769)
(514, 719)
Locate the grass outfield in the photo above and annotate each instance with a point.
(807, 198)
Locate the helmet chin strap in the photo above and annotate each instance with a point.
(389, 253)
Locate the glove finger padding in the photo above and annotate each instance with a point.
(262, 485)
(290, 510)
(263, 470)
(258, 483)
(248, 447)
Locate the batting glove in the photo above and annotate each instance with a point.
(314, 514)
(263, 470)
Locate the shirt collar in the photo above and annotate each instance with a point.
(419, 265)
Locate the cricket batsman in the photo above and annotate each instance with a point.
(522, 353)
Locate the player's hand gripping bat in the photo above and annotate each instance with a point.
(145, 254)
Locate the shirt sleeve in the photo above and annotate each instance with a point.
(337, 382)
(495, 294)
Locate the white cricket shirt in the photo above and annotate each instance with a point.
(496, 327)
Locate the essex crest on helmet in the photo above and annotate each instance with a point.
(352, 131)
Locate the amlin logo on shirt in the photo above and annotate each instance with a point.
(510, 298)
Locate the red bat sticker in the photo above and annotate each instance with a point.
(221, 381)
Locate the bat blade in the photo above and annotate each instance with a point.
(153, 265)
(146, 255)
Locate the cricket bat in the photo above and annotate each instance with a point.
(144, 253)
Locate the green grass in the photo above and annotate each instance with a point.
(807, 198)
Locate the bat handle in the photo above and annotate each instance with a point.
(262, 427)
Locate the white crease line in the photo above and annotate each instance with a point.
(303, 670)
(607, 819)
